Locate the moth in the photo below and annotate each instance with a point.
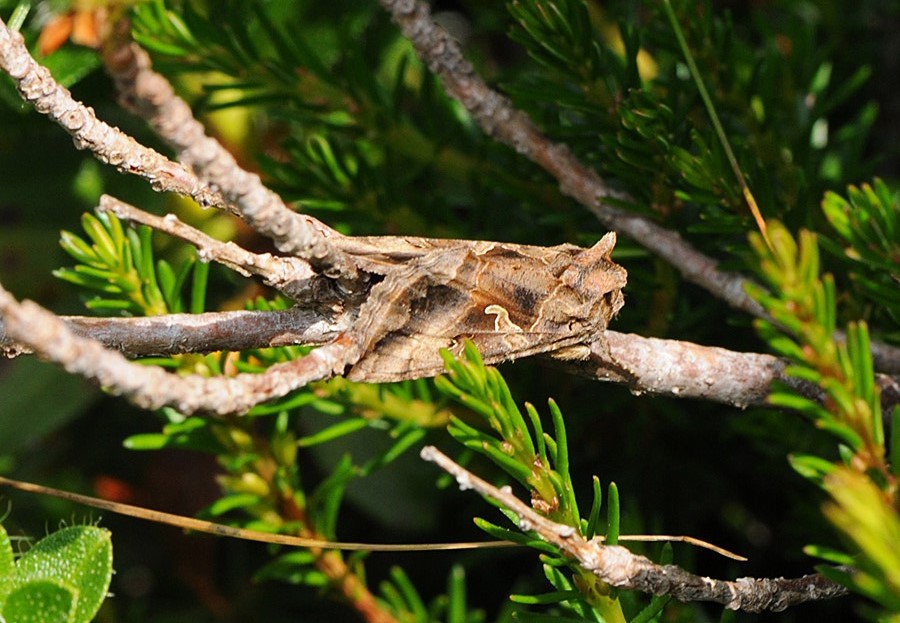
(401, 299)
(511, 300)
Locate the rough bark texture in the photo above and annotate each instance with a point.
(618, 567)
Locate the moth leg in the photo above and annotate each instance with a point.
(578, 352)
(599, 358)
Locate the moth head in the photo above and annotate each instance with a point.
(593, 272)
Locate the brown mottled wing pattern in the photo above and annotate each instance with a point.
(510, 300)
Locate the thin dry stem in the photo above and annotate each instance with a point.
(619, 568)
(108, 144)
(289, 275)
(150, 387)
(150, 95)
(232, 532)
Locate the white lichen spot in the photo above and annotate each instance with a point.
(565, 532)
(170, 219)
(506, 489)
(589, 559)
(464, 482)
(618, 565)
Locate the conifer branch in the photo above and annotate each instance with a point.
(359, 293)
(225, 185)
(344, 578)
(619, 568)
(498, 118)
(289, 275)
(654, 366)
(885, 357)
(150, 95)
(150, 387)
(690, 373)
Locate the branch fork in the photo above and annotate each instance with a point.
(620, 568)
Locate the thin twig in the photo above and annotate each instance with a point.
(151, 96)
(224, 185)
(620, 568)
(151, 387)
(653, 366)
(289, 275)
(108, 144)
(175, 334)
(679, 369)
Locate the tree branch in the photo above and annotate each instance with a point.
(661, 367)
(175, 334)
(499, 119)
(151, 387)
(678, 369)
(108, 144)
(244, 196)
(618, 567)
(150, 95)
(289, 275)
(690, 370)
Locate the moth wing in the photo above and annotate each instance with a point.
(444, 319)
(400, 357)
